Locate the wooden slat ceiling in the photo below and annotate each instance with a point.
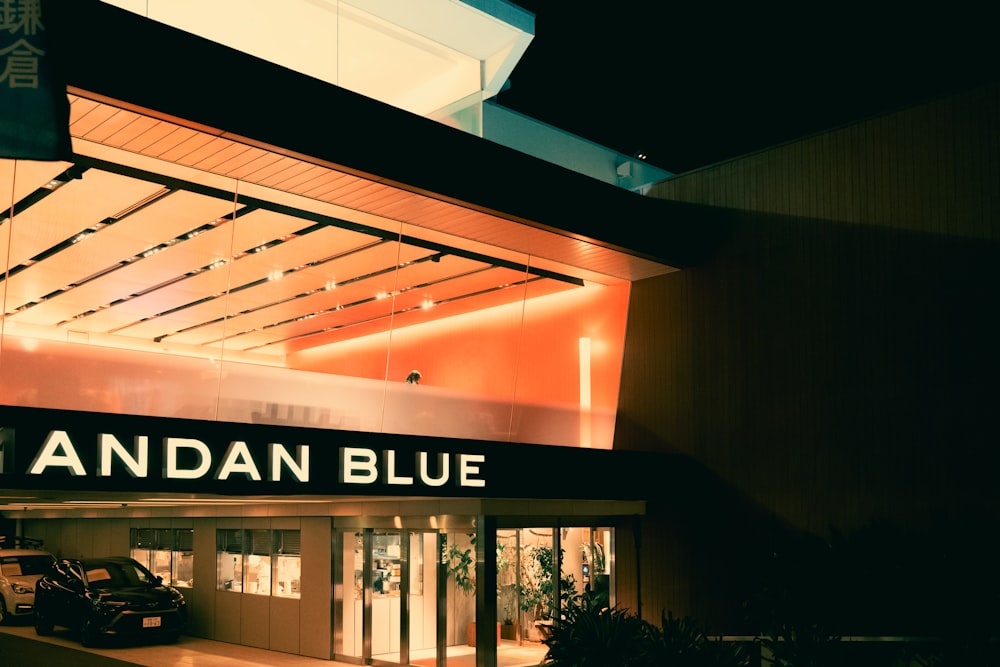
(141, 255)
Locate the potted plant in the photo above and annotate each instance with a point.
(507, 604)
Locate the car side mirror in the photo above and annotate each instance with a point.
(159, 580)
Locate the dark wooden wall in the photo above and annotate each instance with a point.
(833, 366)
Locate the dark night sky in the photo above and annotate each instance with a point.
(694, 83)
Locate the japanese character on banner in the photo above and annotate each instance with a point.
(34, 110)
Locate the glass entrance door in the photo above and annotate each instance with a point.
(422, 596)
(387, 594)
(386, 597)
(349, 595)
(403, 597)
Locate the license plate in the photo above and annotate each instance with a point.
(151, 622)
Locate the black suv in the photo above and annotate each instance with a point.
(108, 597)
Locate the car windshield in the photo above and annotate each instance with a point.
(20, 566)
(114, 574)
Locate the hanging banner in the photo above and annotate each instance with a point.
(34, 109)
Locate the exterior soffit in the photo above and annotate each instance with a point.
(223, 155)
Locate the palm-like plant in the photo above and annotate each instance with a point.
(597, 637)
(681, 642)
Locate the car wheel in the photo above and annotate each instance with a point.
(43, 626)
(3, 612)
(89, 636)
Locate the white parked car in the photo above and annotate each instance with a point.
(19, 571)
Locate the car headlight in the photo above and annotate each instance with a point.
(107, 606)
(22, 590)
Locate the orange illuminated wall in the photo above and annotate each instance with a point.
(527, 351)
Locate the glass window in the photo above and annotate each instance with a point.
(259, 562)
(349, 640)
(143, 543)
(287, 561)
(166, 552)
(417, 562)
(229, 559)
(257, 573)
(182, 561)
(159, 563)
(24, 566)
(385, 564)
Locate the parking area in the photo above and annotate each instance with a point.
(20, 644)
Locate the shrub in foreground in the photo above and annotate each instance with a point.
(592, 636)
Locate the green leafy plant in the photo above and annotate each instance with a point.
(460, 565)
(610, 637)
(684, 643)
(506, 584)
(591, 637)
(537, 585)
(805, 645)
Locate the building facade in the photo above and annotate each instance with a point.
(299, 385)
(212, 311)
(829, 372)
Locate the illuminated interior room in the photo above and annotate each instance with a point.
(281, 285)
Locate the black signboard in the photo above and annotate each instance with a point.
(68, 450)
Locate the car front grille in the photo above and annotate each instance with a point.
(131, 622)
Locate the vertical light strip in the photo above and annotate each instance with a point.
(585, 438)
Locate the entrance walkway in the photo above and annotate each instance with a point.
(197, 652)
(187, 652)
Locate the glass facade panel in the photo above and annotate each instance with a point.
(374, 53)
(460, 591)
(507, 582)
(466, 359)
(229, 559)
(349, 640)
(257, 566)
(259, 562)
(386, 577)
(166, 552)
(182, 573)
(287, 564)
(569, 365)
(423, 594)
(536, 564)
(160, 565)
(597, 559)
(147, 287)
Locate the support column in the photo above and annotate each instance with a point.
(486, 591)
(441, 605)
